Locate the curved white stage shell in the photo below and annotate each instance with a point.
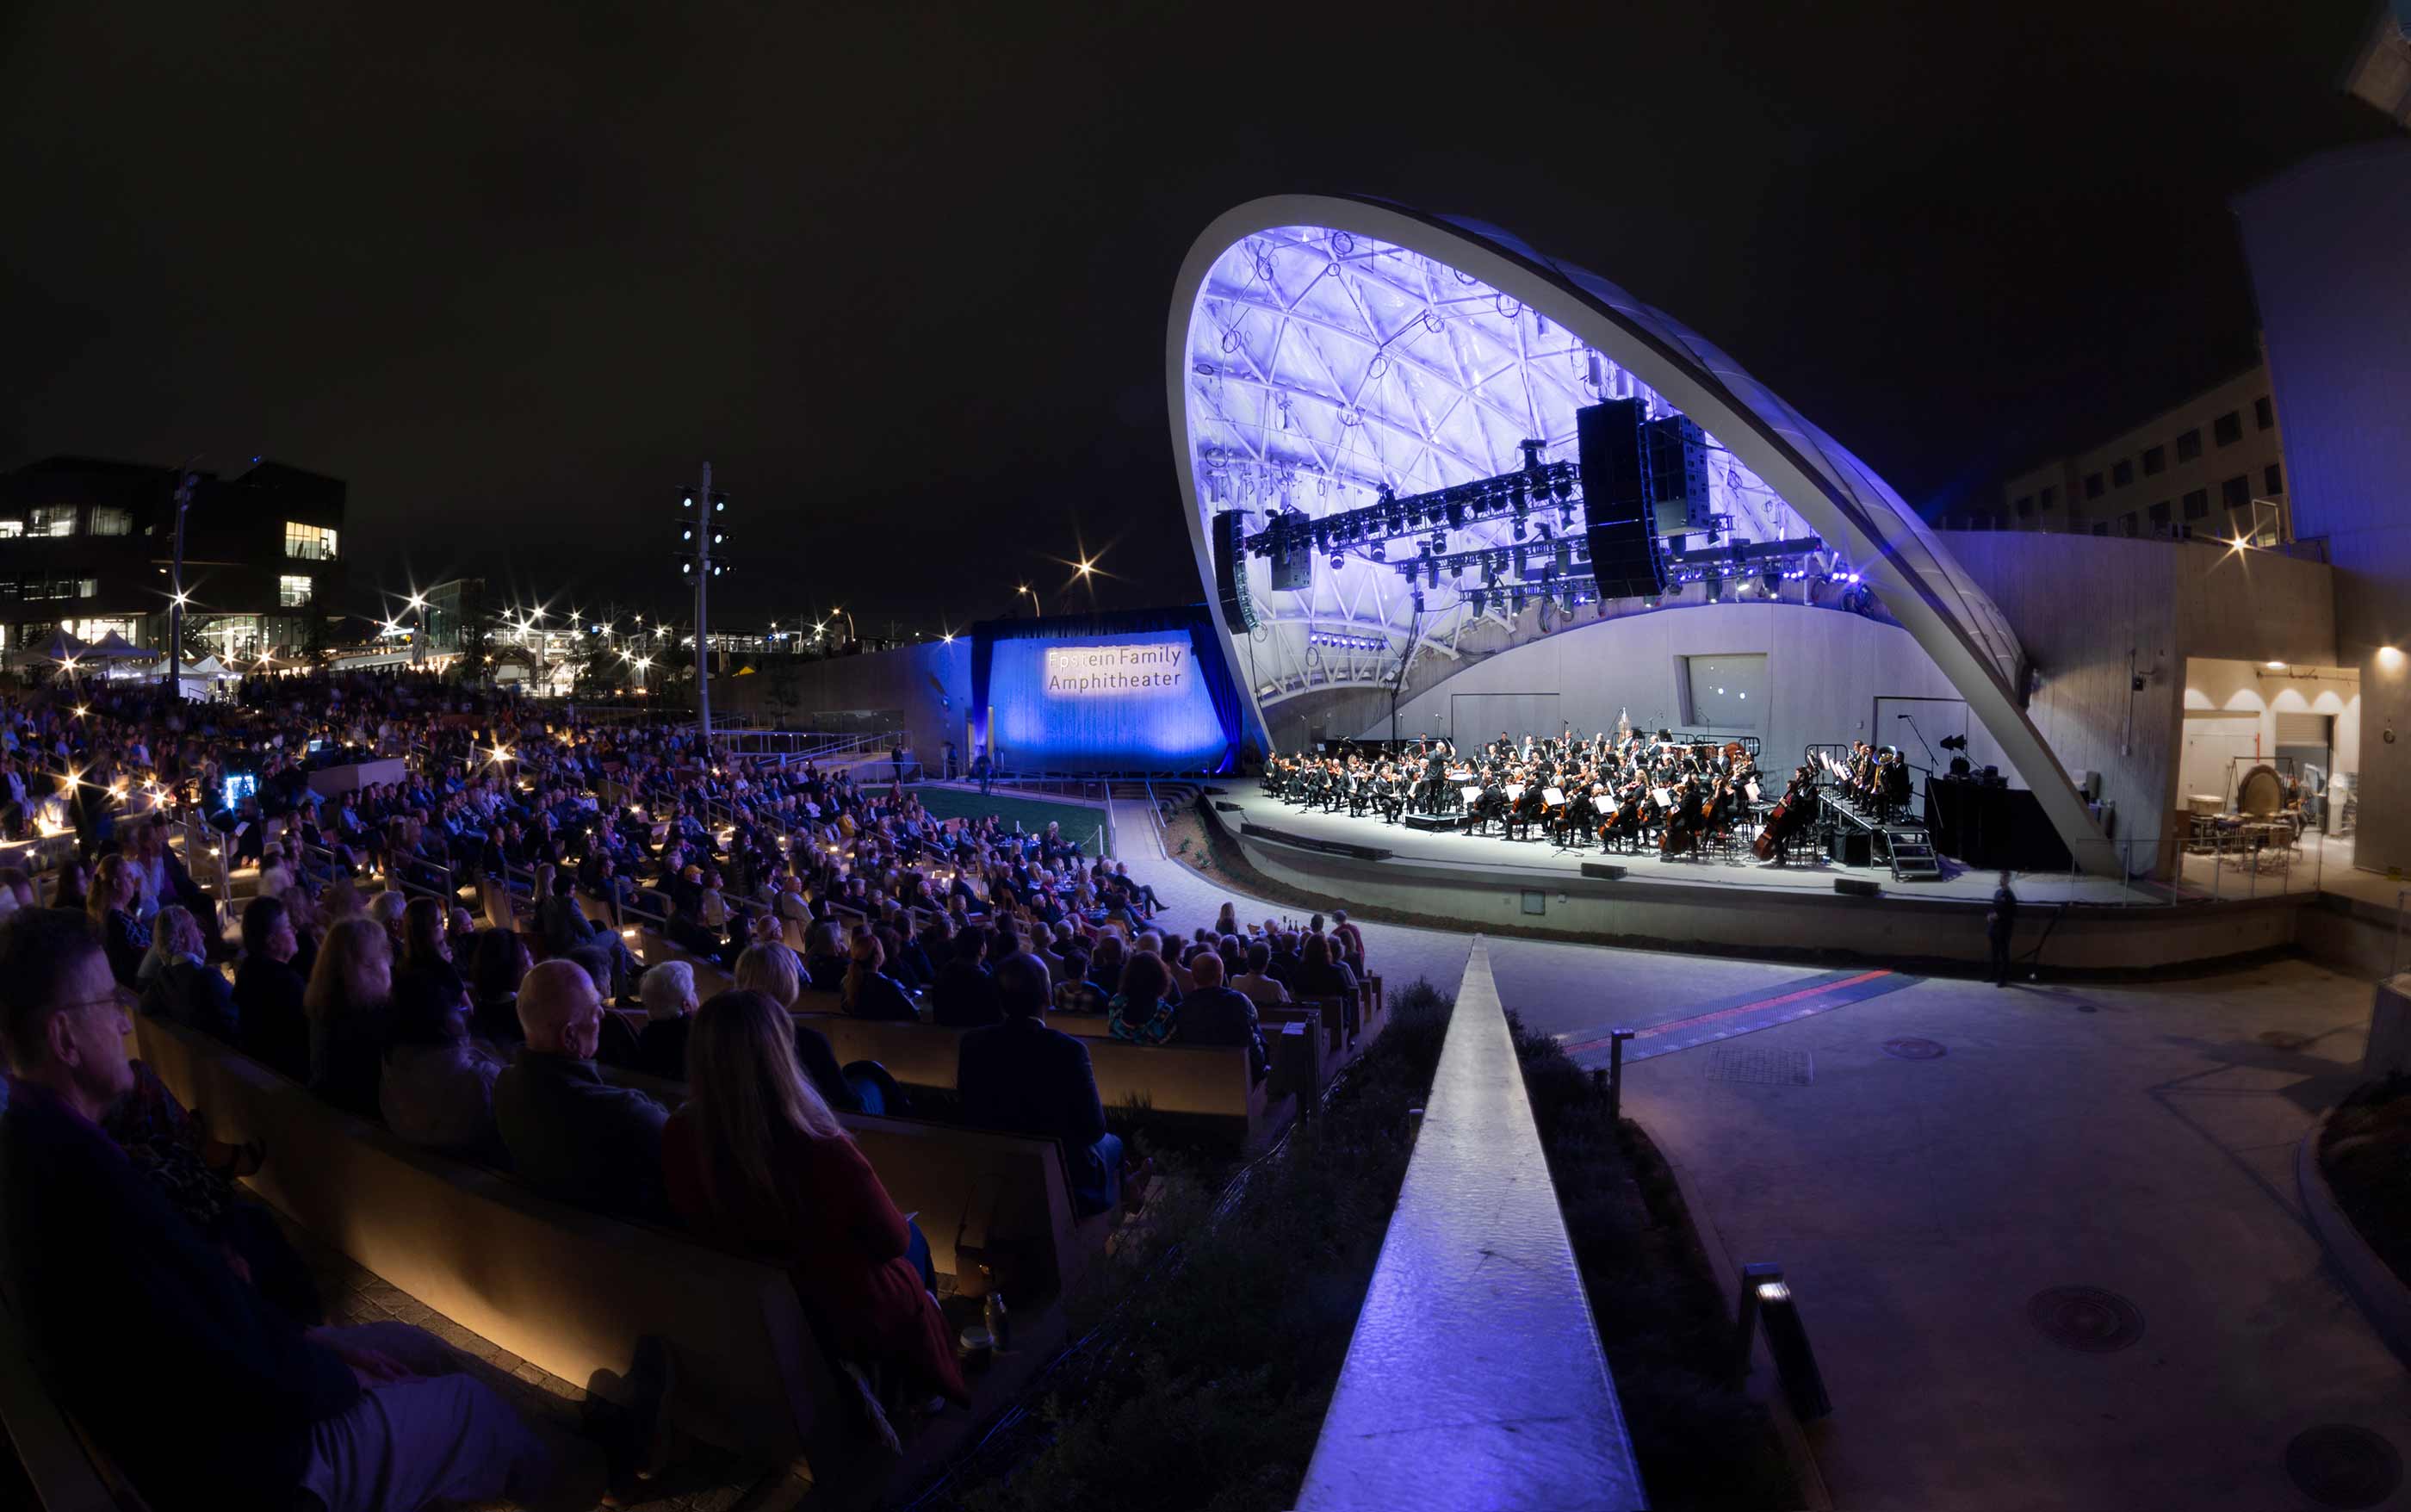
(1322, 348)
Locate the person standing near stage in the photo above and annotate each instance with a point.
(1999, 924)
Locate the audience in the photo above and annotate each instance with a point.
(1141, 1011)
(964, 996)
(757, 1159)
(181, 986)
(1025, 1078)
(1213, 1014)
(437, 1089)
(110, 902)
(570, 1134)
(501, 960)
(347, 1001)
(1255, 981)
(770, 970)
(268, 993)
(1318, 975)
(669, 993)
(869, 992)
(266, 1413)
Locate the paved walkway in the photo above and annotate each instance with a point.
(2136, 1140)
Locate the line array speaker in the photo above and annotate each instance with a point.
(1230, 572)
(1856, 887)
(1625, 555)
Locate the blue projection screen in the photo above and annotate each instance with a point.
(1133, 702)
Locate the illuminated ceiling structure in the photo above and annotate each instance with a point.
(1322, 349)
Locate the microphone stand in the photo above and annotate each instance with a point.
(1923, 741)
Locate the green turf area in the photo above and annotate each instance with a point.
(1080, 823)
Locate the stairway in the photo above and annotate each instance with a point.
(1911, 850)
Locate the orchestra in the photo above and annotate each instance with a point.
(1629, 791)
(1626, 792)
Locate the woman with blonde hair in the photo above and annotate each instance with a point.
(755, 1159)
(350, 987)
(770, 970)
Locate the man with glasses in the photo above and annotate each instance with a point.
(119, 1296)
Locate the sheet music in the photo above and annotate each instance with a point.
(1665, 799)
(1471, 795)
(1751, 788)
(1515, 792)
(1551, 796)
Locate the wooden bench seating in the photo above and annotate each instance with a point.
(996, 1207)
(565, 1290)
(1209, 1083)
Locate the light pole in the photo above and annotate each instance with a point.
(185, 478)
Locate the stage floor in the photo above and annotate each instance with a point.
(1491, 853)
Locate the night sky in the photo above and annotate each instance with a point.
(902, 272)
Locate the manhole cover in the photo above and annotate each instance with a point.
(2340, 1464)
(1776, 1067)
(2085, 1319)
(1914, 1048)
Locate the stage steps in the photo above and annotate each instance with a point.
(1911, 850)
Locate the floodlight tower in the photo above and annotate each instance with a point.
(700, 529)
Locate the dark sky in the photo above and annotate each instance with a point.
(902, 271)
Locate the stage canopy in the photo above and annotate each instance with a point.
(1327, 354)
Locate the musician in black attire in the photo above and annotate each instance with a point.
(1999, 924)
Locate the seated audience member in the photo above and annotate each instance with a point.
(268, 990)
(1141, 1011)
(1280, 960)
(387, 908)
(494, 972)
(185, 988)
(560, 922)
(196, 1175)
(1349, 940)
(426, 938)
(965, 994)
(437, 1089)
(869, 992)
(755, 1159)
(1318, 975)
(1074, 991)
(1022, 1077)
(1214, 1015)
(110, 906)
(571, 1134)
(1105, 963)
(615, 1043)
(1258, 986)
(102, 1270)
(824, 961)
(770, 970)
(669, 993)
(348, 997)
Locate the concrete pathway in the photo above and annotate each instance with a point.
(2139, 1140)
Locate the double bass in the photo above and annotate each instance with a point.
(1789, 813)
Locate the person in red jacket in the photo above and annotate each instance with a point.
(755, 1160)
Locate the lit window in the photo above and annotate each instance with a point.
(309, 543)
(11, 530)
(108, 520)
(51, 519)
(292, 592)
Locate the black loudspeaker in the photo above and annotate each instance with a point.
(1230, 572)
(1675, 455)
(1625, 557)
(1854, 887)
(1602, 870)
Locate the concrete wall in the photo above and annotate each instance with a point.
(927, 686)
(1825, 670)
(2325, 242)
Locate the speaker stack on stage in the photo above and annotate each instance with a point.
(1626, 559)
(1230, 572)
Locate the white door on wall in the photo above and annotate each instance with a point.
(1478, 718)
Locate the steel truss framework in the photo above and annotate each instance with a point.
(1325, 367)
